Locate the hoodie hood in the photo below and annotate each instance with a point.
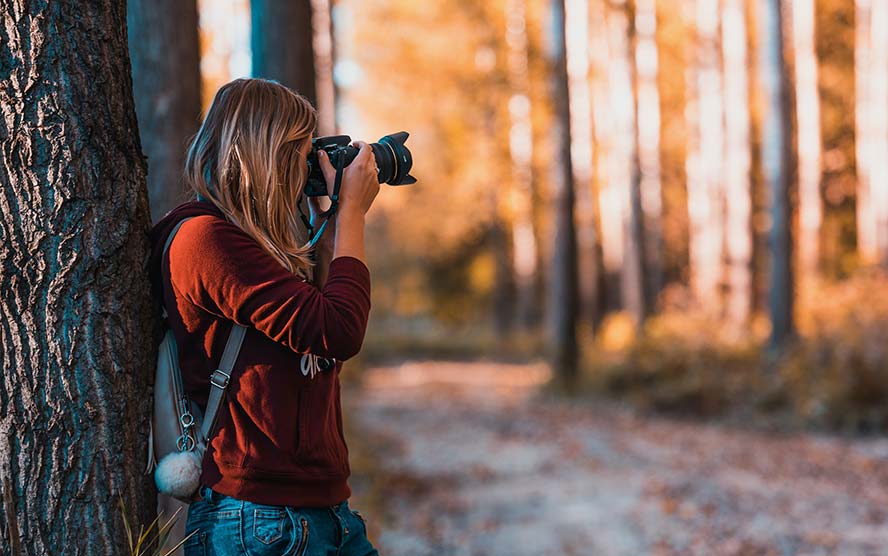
(161, 231)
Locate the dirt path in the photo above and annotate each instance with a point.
(478, 464)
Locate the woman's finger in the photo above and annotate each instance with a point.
(327, 169)
(365, 153)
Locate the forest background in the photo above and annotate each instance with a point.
(680, 205)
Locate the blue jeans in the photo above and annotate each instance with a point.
(226, 526)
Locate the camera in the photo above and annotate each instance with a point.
(393, 160)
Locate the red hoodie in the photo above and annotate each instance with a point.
(279, 437)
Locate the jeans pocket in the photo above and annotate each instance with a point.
(274, 530)
(268, 525)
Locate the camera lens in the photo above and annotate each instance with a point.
(393, 159)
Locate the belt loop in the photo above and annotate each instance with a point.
(207, 494)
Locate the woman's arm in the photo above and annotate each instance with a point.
(220, 268)
(360, 186)
(339, 240)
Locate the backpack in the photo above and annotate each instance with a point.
(179, 433)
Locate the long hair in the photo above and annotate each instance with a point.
(249, 159)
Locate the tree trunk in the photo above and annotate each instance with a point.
(563, 294)
(79, 331)
(776, 157)
(808, 117)
(738, 159)
(282, 44)
(648, 111)
(165, 54)
(524, 244)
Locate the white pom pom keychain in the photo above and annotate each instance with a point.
(178, 474)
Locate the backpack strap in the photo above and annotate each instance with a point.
(219, 380)
(221, 376)
(166, 247)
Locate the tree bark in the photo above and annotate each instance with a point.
(776, 157)
(738, 160)
(165, 54)
(563, 294)
(282, 43)
(78, 328)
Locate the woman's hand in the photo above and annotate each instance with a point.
(356, 194)
(359, 179)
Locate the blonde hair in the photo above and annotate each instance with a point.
(249, 159)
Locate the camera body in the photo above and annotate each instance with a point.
(393, 160)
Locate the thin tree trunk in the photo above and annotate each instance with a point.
(738, 159)
(563, 295)
(78, 328)
(165, 54)
(808, 117)
(589, 268)
(776, 156)
(282, 40)
(648, 103)
(634, 291)
(524, 245)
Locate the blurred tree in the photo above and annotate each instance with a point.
(524, 242)
(585, 210)
(282, 40)
(563, 292)
(164, 49)
(871, 69)
(622, 34)
(610, 169)
(78, 325)
(835, 42)
(324, 47)
(809, 138)
(776, 160)
(705, 162)
(737, 160)
(648, 117)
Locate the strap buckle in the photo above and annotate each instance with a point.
(222, 383)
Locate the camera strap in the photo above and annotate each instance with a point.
(327, 214)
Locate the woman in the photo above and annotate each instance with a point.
(274, 477)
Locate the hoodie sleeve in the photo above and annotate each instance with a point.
(217, 266)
